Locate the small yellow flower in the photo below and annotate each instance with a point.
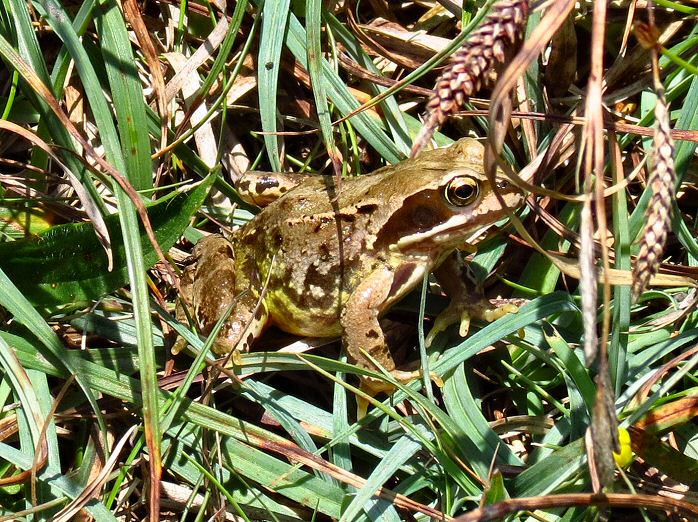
(625, 457)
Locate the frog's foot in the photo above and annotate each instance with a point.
(461, 312)
(229, 358)
(179, 345)
(372, 387)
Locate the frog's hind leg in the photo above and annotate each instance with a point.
(363, 335)
(247, 320)
(373, 387)
(219, 291)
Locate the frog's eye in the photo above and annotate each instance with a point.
(462, 191)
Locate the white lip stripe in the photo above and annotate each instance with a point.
(454, 222)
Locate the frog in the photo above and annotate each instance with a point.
(327, 258)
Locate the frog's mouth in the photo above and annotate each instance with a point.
(449, 232)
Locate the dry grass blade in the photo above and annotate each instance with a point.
(476, 65)
(588, 280)
(602, 435)
(662, 183)
(133, 14)
(204, 136)
(93, 488)
(279, 438)
(501, 509)
(593, 139)
(660, 374)
(501, 106)
(45, 93)
(201, 55)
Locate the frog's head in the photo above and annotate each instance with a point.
(446, 198)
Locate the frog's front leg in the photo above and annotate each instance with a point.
(466, 303)
(363, 333)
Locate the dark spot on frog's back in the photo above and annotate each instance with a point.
(401, 276)
(327, 278)
(266, 183)
(372, 334)
(319, 223)
(314, 276)
(367, 208)
(324, 252)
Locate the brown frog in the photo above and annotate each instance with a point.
(322, 260)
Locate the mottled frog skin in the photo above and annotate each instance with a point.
(324, 260)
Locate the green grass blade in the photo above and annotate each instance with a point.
(572, 365)
(61, 485)
(395, 118)
(313, 19)
(466, 414)
(127, 95)
(274, 17)
(59, 21)
(28, 54)
(220, 63)
(341, 97)
(30, 411)
(24, 313)
(529, 314)
(251, 462)
(622, 299)
(400, 452)
(558, 468)
(540, 273)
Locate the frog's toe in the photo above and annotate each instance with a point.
(464, 326)
(451, 315)
(497, 312)
(234, 358)
(361, 407)
(462, 313)
(371, 387)
(179, 345)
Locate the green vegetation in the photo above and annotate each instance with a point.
(114, 111)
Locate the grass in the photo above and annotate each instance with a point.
(95, 406)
